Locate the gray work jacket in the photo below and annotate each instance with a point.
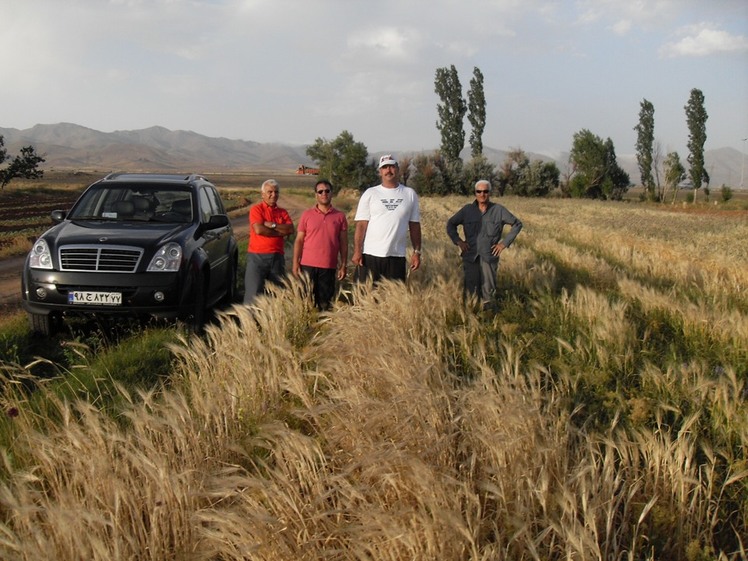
(483, 230)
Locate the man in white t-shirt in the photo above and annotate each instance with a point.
(386, 214)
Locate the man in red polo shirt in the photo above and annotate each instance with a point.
(321, 247)
(269, 225)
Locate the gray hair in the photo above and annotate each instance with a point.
(270, 183)
(482, 182)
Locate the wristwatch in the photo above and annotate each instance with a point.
(273, 225)
(417, 251)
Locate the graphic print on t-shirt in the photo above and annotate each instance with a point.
(391, 204)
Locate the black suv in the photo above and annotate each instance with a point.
(138, 244)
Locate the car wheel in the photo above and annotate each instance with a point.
(196, 321)
(44, 324)
(230, 294)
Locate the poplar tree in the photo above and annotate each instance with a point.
(451, 113)
(645, 147)
(696, 119)
(476, 112)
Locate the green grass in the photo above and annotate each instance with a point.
(83, 364)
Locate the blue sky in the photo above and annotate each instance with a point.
(292, 71)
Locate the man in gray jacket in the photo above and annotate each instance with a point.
(482, 224)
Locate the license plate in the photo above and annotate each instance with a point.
(95, 298)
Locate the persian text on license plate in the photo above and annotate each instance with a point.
(95, 298)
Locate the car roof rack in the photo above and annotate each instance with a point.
(125, 176)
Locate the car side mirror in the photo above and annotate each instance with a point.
(58, 216)
(218, 221)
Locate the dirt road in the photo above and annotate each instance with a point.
(10, 280)
(11, 268)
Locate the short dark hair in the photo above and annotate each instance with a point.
(324, 182)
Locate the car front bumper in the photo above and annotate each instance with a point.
(155, 294)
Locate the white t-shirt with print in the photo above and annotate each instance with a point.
(388, 212)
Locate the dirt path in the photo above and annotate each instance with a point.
(10, 280)
(11, 268)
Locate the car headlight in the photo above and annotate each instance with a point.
(167, 259)
(40, 257)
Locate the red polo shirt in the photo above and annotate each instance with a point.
(262, 212)
(321, 237)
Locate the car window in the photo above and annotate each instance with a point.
(134, 203)
(216, 201)
(174, 206)
(205, 209)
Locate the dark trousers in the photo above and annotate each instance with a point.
(480, 279)
(262, 267)
(393, 268)
(323, 285)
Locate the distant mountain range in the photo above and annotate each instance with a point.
(67, 146)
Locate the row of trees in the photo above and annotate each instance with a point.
(649, 158)
(593, 170)
(24, 165)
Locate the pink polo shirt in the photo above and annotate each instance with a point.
(321, 237)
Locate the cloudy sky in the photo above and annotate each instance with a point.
(294, 70)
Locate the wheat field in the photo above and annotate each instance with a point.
(599, 415)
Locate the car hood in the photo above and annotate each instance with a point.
(116, 233)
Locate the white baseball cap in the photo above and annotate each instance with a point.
(387, 160)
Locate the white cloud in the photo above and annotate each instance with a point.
(383, 43)
(622, 27)
(355, 95)
(624, 15)
(462, 49)
(704, 40)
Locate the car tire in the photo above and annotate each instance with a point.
(230, 294)
(196, 320)
(44, 324)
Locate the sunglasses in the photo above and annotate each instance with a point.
(481, 191)
(323, 191)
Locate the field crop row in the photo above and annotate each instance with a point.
(25, 214)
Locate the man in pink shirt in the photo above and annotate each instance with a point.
(321, 247)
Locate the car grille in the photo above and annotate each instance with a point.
(103, 259)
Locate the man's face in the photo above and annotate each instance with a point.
(482, 192)
(323, 194)
(270, 194)
(389, 172)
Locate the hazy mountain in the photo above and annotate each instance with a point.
(69, 146)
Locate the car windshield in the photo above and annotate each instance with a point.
(143, 203)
